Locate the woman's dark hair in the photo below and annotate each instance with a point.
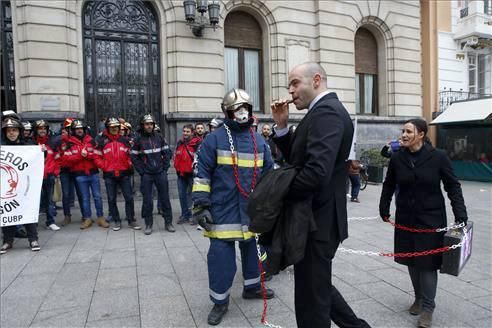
(421, 126)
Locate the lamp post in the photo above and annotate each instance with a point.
(197, 23)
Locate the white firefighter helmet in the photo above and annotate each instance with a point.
(27, 126)
(12, 123)
(112, 121)
(147, 118)
(234, 99)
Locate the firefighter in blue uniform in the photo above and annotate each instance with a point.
(230, 162)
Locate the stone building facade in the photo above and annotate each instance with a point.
(90, 59)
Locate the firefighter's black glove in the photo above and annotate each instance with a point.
(203, 217)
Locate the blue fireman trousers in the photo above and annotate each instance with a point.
(221, 260)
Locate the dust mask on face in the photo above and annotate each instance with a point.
(241, 115)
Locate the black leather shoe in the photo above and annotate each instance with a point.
(257, 294)
(218, 312)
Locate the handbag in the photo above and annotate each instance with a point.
(57, 192)
(454, 260)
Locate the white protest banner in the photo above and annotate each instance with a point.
(21, 180)
(353, 154)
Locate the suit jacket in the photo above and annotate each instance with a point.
(319, 148)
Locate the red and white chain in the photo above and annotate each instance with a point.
(234, 159)
(433, 230)
(411, 254)
(263, 289)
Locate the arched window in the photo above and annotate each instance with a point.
(7, 85)
(243, 56)
(121, 60)
(366, 72)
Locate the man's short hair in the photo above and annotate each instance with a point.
(199, 123)
(188, 126)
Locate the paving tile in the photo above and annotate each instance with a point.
(125, 322)
(114, 303)
(350, 274)
(125, 277)
(388, 295)
(159, 285)
(471, 275)
(486, 284)
(395, 277)
(184, 255)
(179, 239)
(173, 311)
(10, 271)
(153, 265)
(30, 286)
(484, 301)
(192, 271)
(349, 293)
(460, 308)
(41, 264)
(73, 317)
(377, 315)
(442, 318)
(151, 251)
(84, 256)
(78, 271)
(18, 311)
(146, 242)
(68, 294)
(461, 288)
(121, 242)
(116, 259)
(482, 323)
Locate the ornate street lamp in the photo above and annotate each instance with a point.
(198, 23)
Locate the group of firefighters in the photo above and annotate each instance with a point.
(221, 167)
(75, 157)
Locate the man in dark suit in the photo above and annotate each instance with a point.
(319, 148)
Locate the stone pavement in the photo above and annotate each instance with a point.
(102, 278)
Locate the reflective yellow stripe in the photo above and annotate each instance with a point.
(263, 257)
(227, 160)
(201, 187)
(229, 234)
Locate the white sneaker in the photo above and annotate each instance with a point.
(53, 227)
(199, 228)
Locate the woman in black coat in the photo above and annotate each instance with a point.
(418, 169)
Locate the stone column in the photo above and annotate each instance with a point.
(46, 51)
